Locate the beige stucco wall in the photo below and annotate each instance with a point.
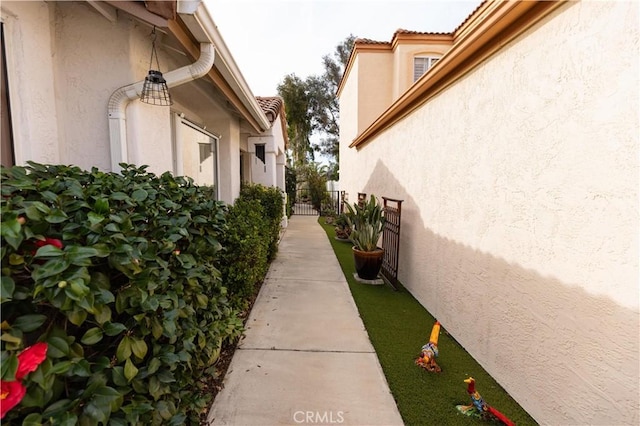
(520, 220)
(403, 63)
(65, 61)
(29, 45)
(374, 93)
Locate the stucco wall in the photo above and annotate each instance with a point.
(374, 94)
(29, 47)
(520, 220)
(403, 63)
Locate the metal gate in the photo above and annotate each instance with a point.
(307, 204)
(391, 240)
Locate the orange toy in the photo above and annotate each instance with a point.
(429, 352)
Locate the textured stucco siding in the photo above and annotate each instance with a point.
(29, 47)
(95, 57)
(374, 93)
(520, 221)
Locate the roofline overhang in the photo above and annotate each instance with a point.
(491, 27)
(196, 26)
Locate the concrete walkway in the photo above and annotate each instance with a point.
(306, 357)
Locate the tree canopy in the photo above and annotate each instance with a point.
(312, 108)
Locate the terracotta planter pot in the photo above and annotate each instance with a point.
(368, 263)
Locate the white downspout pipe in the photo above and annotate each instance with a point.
(120, 99)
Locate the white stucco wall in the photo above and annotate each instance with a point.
(263, 173)
(520, 220)
(229, 159)
(30, 51)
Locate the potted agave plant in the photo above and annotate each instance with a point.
(366, 223)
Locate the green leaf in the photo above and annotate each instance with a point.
(58, 347)
(7, 287)
(9, 366)
(102, 314)
(156, 328)
(60, 367)
(33, 419)
(76, 289)
(92, 336)
(154, 365)
(49, 251)
(50, 268)
(162, 408)
(139, 195)
(101, 206)
(94, 218)
(16, 259)
(82, 369)
(77, 316)
(139, 348)
(79, 255)
(114, 328)
(29, 323)
(118, 376)
(57, 408)
(124, 349)
(56, 216)
(119, 196)
(130, 370)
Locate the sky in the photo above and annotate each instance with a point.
(270, 39)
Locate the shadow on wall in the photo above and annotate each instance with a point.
(567, 356)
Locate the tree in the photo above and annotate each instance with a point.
(312, 106)
(323, 102)
(294, 92)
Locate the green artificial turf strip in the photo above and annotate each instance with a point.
(398, 325)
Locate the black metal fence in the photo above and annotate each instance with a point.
(391, 240)
(307, 204)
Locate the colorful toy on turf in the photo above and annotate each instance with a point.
(480, 408)
(429, 352)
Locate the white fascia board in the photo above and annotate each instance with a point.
(195, 15)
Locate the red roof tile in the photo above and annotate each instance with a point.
(270, 106)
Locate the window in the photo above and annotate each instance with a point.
(199, 154)
(260, 152)
(422, 65)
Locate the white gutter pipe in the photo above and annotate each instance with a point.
(120, 99)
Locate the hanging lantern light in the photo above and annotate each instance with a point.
(155, 90)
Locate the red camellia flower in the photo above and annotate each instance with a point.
(30, 358)
(11, 393)
(49, 241)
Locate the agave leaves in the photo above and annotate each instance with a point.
(367, 223)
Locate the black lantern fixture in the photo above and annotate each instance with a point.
(155, 90)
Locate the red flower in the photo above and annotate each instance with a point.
(30, 358)
(11, 393)
(49, 241)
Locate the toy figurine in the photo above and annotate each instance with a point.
(429, 352)
(480, 408)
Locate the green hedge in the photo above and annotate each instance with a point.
(270, 198)
(243, 262)
(116, 274)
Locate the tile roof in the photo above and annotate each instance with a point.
(469, 16)
(403, 31)
(398, 32)
(270, 106)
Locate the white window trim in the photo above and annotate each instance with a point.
(177, 147)
(431, 60)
